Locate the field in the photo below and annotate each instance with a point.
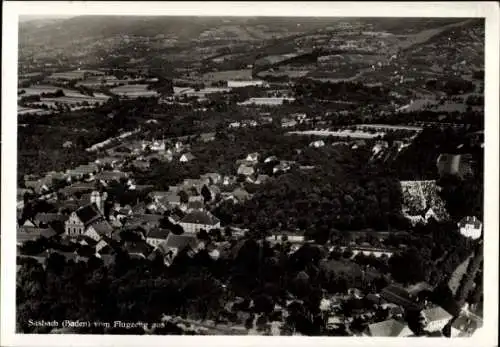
(245, 74)
(134, 91)
(342, 133)
(28, 110)
(47, 88)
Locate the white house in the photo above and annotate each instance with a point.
(157, 236)
(196, 220)
(436, 318)
(317, 144)
(470, 227)
(252, 157)
(186, 157)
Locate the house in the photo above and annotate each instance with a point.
(281, 167)
(207, 137)
(110, 176)
(194, 221)
(27, 234)
(83, 170)
(228, 180)
(44, 219)
(293, 237)
(389, 328)
(157, 236)
(399, 296)
(470, 227)
(245, 170)
(80, 220)
(465, 326)
(174, 244)
(240, 194)
(40, 186)
(214, 178)
(436, 318)
(169, 201)
(186, 157)
(271, 159)
(195, 205)
(317, 144)
(261, 179)
(234, 125)
(288, 123)
(253, 157)
(108, 161)
(98, 230)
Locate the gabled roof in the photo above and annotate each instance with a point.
(200, 217)
(196, 205)
(88, 214)
(390, 328)
(46, 218)
(436, 314)
(138, 248)
(188, 156)
(158, 233)
(103, 228)
(397, 295)
(179, 242)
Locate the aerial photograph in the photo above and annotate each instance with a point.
(273, 176)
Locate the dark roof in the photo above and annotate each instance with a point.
(397, 295)
(23, 235)
(200, 217)
(103, 228)
(46, 218)
(177, 241)
(158, 233)
(111, 175)
(195, 205)
(150, 218)
(88, 214)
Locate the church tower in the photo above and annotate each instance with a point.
(98, 199)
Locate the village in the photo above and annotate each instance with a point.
(322, 183)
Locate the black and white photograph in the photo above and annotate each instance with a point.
(251, 175)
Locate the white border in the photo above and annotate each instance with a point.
(488, 10)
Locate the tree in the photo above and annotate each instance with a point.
(184, 197)
(207, 195)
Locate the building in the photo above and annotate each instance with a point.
(253, 157)
(465, 326)
(196, 220)
(98, 200)
(240, 84)
(174, 244)
(399, 296)
(157, 236)
(186, 157)
(470, 227)
(436, 318)
(389, 328)
(80, 220)
(286, 236)
(317, 144)
(98, 230)
(245, 170)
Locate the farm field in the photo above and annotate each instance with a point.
(29, 110)
(245, 74)
(342, 133)
(387, 126)
(134, 90)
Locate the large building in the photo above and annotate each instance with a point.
(470, 227)
(196, 220)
